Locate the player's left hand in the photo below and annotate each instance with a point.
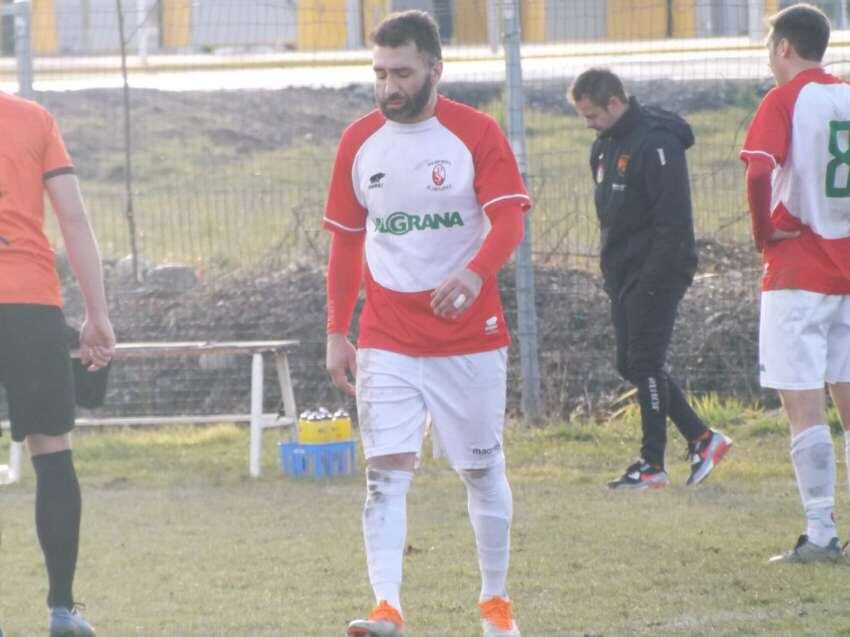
(97, 342)
(456, 294)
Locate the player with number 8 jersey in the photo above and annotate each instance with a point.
(797, 153)
(802, 130)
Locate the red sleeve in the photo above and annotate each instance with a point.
(344, 209)
(759, 191)
(345, 274)
(55, 159)
(497, 176)
(505, 235)
(769, 135)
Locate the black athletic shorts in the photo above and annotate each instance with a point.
(35, 370)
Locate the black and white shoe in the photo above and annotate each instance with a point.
(807, 552)
(640, 476)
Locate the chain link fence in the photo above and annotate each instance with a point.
(204, 133)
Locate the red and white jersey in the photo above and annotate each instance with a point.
(803, 129)
(421, 193)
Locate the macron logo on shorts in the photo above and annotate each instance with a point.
(487, 452)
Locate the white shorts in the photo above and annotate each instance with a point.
(804, 339)
(463, 397)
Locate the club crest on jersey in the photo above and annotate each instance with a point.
(439, 175)
(622, 164)
(399, 223)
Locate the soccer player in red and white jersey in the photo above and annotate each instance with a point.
(797, 153)
(429, 191)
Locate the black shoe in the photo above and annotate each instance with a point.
(806, 552)
(639, 476)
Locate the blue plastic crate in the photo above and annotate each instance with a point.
(320, 460)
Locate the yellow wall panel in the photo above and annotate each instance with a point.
(533, 20)
(470, 26)
(322, 24)
(637, 19)
(373, 12)
(44, 37)
(684, 19)
(176, 23)
(770, 7)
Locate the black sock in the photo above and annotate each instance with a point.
(57, 522)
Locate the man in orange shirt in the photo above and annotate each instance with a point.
(35, 365)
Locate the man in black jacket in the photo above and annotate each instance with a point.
(648, 259)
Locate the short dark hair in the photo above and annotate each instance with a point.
(599, 86)
(805, 27)
(410, 27)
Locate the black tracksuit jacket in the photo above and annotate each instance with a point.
(643, 201)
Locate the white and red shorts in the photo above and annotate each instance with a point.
(804, 339)
(463, 398)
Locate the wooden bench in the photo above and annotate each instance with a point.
(258, 420)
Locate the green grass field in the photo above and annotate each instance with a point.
(178, 541)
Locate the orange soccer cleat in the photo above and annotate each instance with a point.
(384, 621)
(497, 618)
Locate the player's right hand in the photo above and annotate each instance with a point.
(781, 235)
(340, 361)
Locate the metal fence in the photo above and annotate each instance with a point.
(204, 133)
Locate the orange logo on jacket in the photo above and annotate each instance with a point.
(622, 164)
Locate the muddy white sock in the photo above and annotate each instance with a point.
(813, 458)
(490, 504)
(384, 531)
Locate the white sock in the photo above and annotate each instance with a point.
(385, 530)
(813, 458)
(490, 504)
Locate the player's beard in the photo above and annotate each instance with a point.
(412, 107)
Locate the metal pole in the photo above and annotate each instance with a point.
(493, 25)
(142, 28)
(23, 47)
(353, 24)
(755, 19)
(526, 312)
(85, 10)
(128, 153)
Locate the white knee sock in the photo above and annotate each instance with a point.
(385, 529)
(813, 458)
(490, 505)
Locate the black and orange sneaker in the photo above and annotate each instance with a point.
(640, 476)
(706, 454)
(383, 621)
